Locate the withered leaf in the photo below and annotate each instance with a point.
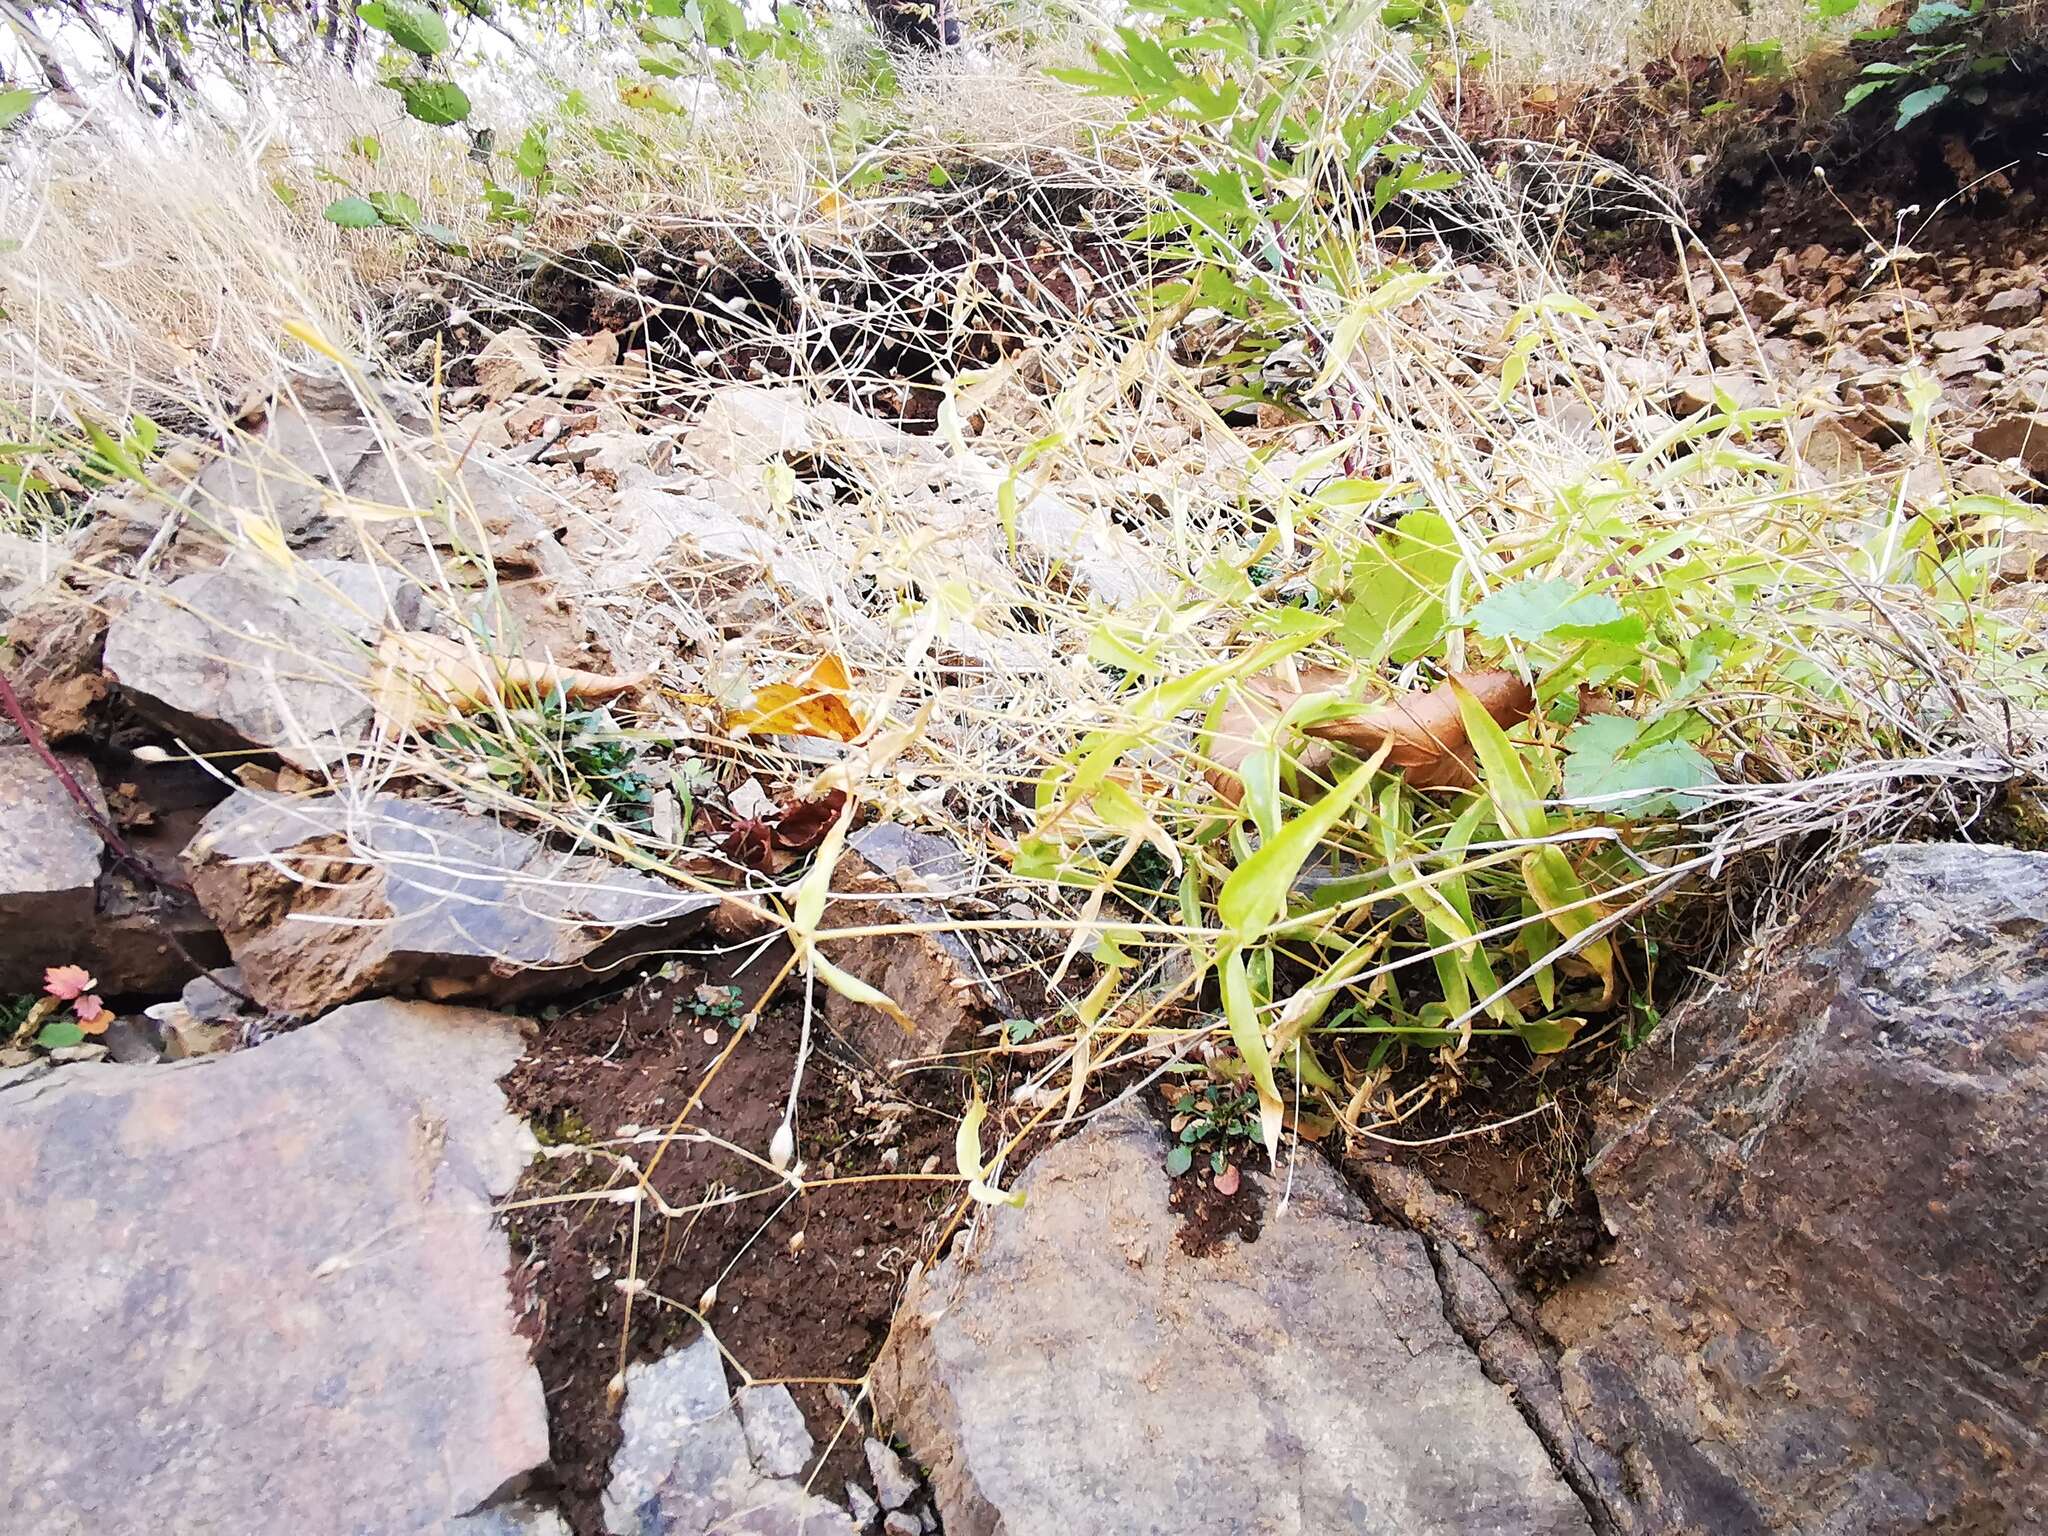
(803, 825)
(1424, 737)
(811, 705)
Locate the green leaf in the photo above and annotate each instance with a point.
(1613, 754)
(395, 208)
(1919, 102)
(1933, 16)
(1398, 585)
(352, 213)
(1179, 1160)
(1858, 94)
(58, 1033)
(439, 102)
(1538, 607)
(14, 103)
(411, 24)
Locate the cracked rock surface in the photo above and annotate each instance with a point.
(265, 1291)
(1071, 1368)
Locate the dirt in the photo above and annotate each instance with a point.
(805, 1286)
(1527, 1177)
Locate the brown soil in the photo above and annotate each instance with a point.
(805, 1287)
(1526, 1177)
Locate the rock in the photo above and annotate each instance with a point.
(132, 1042)
(682, 1467)
(457, 905)
(2013, 306)
(2024, 438)
(586, 360)
(1969, 338)
(865, 1508)
(1689, 395)
(895, 1484)
(266, 1291)
(1720, 305)
(49, 867)
(1072, 1367)
(510, 362)
(897, 1523)
(186, 1037)
(931, 975)
(1823, 1309)
(778, 1440)
(60, 906)
(238, 658)
(519, 1518)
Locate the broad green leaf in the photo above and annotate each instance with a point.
(59, 1033)
(439, 102)
(1922, 101)
(352, 213)
(411, 24)
(1399, 582)
(1179, 1160)
(1861, 92)
(1606, 756)
(1538, 607)
(14, 103)
(396, 208)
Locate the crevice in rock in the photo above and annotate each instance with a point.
(1497, 1322)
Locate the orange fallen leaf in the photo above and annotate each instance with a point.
(418, 678)
(811, 705)
(1422, 732)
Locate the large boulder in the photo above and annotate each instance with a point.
(1824, 1309)
(1073, 1369)
(333, 897)
(265, 1291)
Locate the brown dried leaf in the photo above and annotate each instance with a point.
(1423, 734)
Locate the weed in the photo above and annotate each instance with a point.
(1947, 58)
(1214, 1122)
(542, 750)
(716, 1006)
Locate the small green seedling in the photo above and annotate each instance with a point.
(1216, 1122)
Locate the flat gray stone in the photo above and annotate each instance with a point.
(683, 1468)
(1070, 1367)
(259, 658)
(49, 867)
(778, 1439)
(429, 899)
(266, 1291)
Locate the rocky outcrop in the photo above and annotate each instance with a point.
(334, 897)
(1823, 1310)
(273, 659)
(686, 1465)
(1072, 1368)
(265, 1291)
